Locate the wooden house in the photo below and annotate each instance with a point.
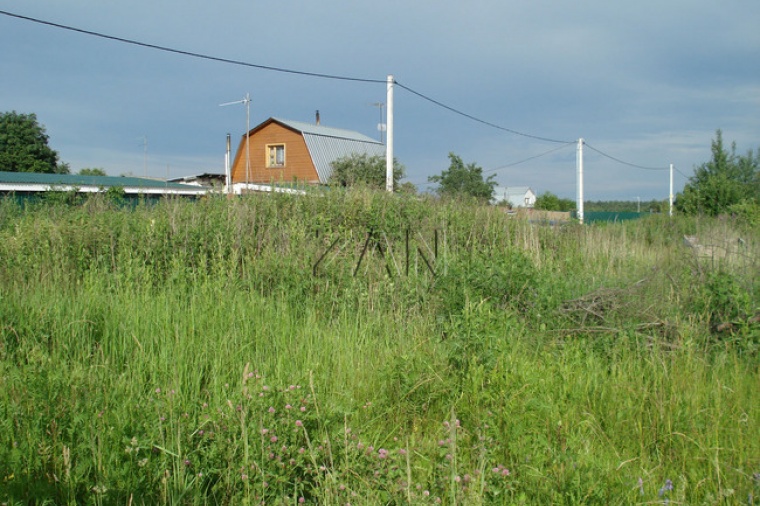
(282, 151)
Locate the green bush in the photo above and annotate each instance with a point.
(506, 279)
(723, 298)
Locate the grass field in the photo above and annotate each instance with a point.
(359, 348)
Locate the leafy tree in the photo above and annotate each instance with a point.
(408, 188)
(464, 180)
(92, 172)
(363, 169)
(548, 201)
(24, 146)
(726, 180)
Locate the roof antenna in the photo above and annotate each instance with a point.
(247, 102)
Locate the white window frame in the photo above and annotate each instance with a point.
(275, 154)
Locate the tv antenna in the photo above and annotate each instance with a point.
(145, 156)
(144, 140)
(247, 102)
(380, 126)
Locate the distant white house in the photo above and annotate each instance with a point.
(515, 196)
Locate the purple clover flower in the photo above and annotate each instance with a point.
(667, 487)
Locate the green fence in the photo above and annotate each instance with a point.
(609, 216)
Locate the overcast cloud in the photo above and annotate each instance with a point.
(647, 82)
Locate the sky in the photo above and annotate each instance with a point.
(510, 85)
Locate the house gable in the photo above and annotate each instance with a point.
(284, 151)
(516, 196)
(271, 136)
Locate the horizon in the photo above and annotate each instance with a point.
(509, 87)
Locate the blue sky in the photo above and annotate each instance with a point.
(647, 83)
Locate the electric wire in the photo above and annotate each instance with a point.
(333, 77)
(478, 120)
(684, 175)
(190, 53)
(273, 69)
(501, 167)
(529, 158)
(618, 160)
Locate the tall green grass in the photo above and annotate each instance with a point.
(188, 353)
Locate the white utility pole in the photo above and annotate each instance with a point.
(389, 136)
(247, 102)
(670, 198)
(227, 168)
(579, 164)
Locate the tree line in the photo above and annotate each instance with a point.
(728, 183)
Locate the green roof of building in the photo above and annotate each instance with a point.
(38, 178)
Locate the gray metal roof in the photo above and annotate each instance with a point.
(513, 191)
(325, 131)
(327, 144)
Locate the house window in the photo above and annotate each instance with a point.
(276, 155)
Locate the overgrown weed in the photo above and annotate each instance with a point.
(497, 361)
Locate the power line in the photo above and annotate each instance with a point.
(684, 175)
(513, 163)
(478, 120)
(189, 53)
(529, 158)
(267, 67)
(328, 76)
(618, 160)
(273, 69)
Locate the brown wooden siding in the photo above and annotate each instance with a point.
(298, 163)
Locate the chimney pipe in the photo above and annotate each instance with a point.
(317, 116)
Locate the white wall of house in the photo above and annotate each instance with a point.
(516, 196)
